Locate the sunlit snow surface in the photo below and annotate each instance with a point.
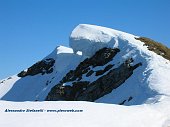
(93, 115)
(149, 86)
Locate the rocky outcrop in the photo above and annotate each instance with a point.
(102, 57)
(105, 84)
(156, 47)
(107, 79)
(41, 67)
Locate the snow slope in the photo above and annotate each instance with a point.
(93, 115)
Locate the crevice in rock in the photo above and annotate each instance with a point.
(101, 72)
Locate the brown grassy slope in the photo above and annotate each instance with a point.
(156, 47)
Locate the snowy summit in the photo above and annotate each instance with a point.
(91, 38)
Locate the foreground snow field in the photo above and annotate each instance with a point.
(93, 115)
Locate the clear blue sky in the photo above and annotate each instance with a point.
(31, 29)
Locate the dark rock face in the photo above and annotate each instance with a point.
(109, 78)
(41, 67)
(102, 57)
(105, 84)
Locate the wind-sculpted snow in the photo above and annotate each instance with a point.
(89, 38)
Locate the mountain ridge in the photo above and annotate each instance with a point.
(39, 79)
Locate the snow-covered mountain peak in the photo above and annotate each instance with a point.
(110, 53)
(96, 33)
(92, 32)
(91, 38)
